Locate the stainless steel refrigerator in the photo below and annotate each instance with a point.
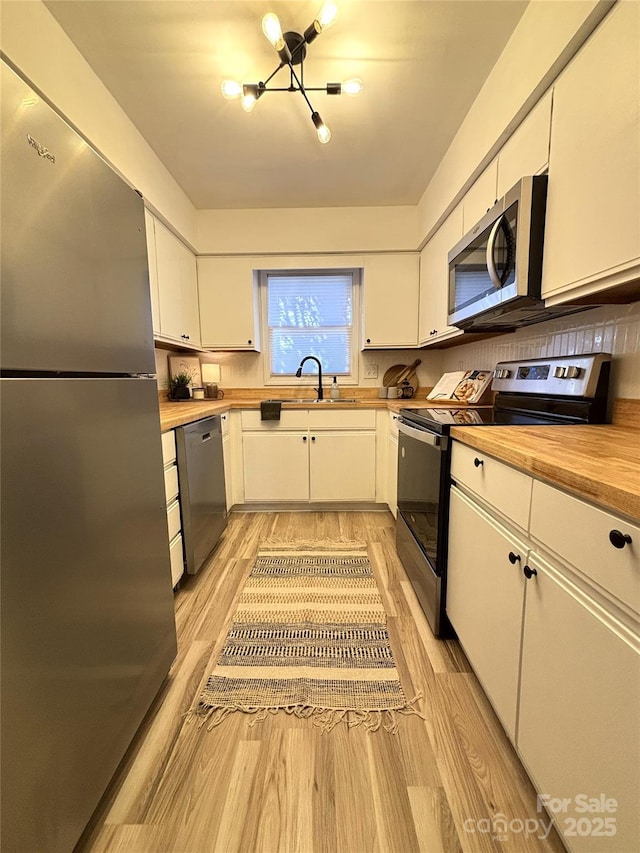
(88, 627)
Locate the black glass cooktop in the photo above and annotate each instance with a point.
(441, 420)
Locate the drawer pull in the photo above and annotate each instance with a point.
(478, 462)
(618, 539)
(529, 573)
(514, 558)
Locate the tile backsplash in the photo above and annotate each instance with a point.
(612, 328)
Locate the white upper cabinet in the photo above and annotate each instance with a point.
(526, 152)
(592, 233)
(434, 282)
(229, 316)
(390, 300)
(150, 230)
(480, 197)
(177, 289)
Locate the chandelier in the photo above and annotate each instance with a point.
(292, 50)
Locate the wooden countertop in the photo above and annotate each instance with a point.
(598, 463)
(173, 415)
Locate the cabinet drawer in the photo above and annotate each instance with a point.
(506, 489)
(171, 484)
(169, 447)
(177, 562)
(579, 533)
(289, 419)
(342, 419)
(173, 519)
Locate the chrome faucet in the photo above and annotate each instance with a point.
(317, 361)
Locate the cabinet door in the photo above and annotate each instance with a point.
(276, 466)
(579, 722)
(390, 280)
(392, 475)
(228, 304)
(480, 197)
(485, 590)
(434, 282)
(149, 222)
(592, 232)
(342, 466)
(527, 151)
(177, 288)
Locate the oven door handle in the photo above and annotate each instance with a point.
(426, 437)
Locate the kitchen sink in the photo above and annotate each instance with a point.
(308, 400)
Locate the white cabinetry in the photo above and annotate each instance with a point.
(526, 152)
(592, 232)
(174, 525)
(176, 314)
(229, 315)
(390, 280)
(480, 197)
(392, 464)
(544, 592)
(434, 282)
(227, 459)
(310, 456)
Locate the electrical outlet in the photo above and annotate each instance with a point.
(371, 371)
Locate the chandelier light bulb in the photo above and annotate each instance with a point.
(248, 102)
(272, 30)
(231, 89)
(324, 134)
(352, 87)
(327, 15)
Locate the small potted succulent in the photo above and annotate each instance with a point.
(179, 385)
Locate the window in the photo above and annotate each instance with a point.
(309, 313)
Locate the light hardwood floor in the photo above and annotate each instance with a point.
(284, 787)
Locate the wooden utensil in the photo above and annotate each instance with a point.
(408, 371)
(390, 375)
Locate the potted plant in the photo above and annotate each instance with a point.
(179, 385)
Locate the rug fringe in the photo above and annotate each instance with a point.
(325, 719)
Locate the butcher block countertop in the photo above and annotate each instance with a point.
(598, 463)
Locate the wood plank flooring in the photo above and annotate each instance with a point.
(284, 787)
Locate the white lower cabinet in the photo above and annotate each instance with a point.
(392, 465)
(579, 733)
(171, 490)
(549, 615)
(316, 456)
(485, 594)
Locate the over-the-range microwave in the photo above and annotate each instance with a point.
(495, 271)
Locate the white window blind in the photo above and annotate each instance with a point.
(310, 314)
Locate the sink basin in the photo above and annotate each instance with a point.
(308, 400)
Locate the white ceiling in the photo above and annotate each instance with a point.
(422, 63)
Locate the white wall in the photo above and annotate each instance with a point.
(35, 43)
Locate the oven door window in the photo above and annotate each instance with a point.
(419, 472)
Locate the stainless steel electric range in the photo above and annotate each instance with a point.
(552, 391)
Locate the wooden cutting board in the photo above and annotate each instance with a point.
(397, 373)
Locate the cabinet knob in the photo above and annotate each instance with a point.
(528, 572)
(185, 337)
(368, 340)
(313, 438)
(514, 558)
(618, 539)
(304, 437)
(249, 341)
(478, 462)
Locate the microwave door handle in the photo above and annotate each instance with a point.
(491, 245)
(422, 435)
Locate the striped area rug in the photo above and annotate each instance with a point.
(308, 637)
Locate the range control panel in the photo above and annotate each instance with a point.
(571, 375)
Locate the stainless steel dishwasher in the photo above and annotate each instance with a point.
(202, 493)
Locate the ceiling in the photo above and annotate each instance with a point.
(422, 63)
